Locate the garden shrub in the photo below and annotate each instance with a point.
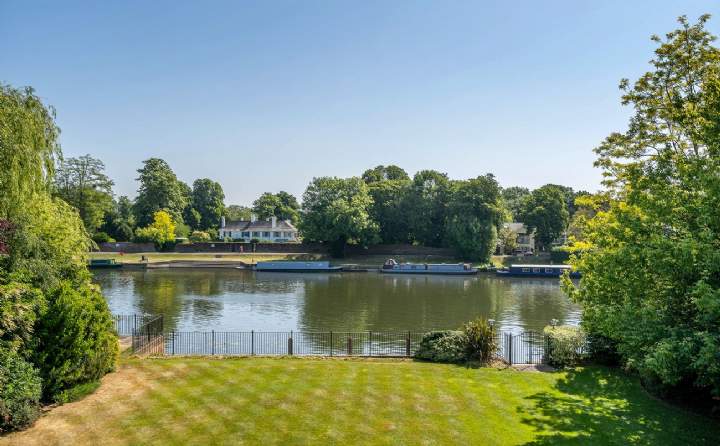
(20, 392)
(75, 340)
(442, 346)
(480, 342)
(199, 236)
(19, 307)
(559, 254)
(102, 237)
(566, 345)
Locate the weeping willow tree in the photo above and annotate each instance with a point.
(55, 326)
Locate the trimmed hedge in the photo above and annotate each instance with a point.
(75, 339)
(20, 392)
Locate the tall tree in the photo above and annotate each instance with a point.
(425, 207)
(282, 205)
(82, 183)
(208, 199)
(335, 211)
(235, 212)
(651, 268)
(383, 173)
(159, 190)
(388, 210)
(475, 211)
(545, 212)
(514, 197)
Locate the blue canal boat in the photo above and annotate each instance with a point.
(297, 267)
(104, 263)
(449, 269)
(537, 271)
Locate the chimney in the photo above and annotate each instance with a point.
(222, 222)
(274, 221)
(253, 218)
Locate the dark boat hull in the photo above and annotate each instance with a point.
(434, 273)
(334, 269)
(504, 273)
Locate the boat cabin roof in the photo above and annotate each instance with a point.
(541, 266)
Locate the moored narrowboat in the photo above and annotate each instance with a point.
(392, 267)
(537, 271)
(297, 267)
(104, 263)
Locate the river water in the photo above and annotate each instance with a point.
(238, 300)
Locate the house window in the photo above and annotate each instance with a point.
(277, 234)
(266, 234)
(246, 234)
(256, 234)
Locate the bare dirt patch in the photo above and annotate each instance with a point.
(59, 425)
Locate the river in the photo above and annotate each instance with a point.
(238, 300)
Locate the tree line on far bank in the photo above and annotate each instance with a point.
(383, 205)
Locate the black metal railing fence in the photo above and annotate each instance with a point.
(125, 323)
(148, 338)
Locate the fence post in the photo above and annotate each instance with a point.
(212, 351)
(331, 344)
(290, 344)
(172, 336)
(510, 348)
(529, 347)
(349, 346)
(252, 342)
(407, 345)
(370, 342)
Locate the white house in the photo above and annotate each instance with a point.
(271, 229)
(525, 242)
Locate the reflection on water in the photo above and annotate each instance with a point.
(237, 300)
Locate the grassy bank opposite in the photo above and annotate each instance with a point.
(292, 401)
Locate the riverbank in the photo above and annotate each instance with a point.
(189, 259)
(316, 401)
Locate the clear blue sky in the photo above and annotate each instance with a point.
(263, 96)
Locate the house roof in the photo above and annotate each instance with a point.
(259, 225)
(516, 227)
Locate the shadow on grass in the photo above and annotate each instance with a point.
(597, 405)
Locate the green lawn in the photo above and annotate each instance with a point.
(265, 401)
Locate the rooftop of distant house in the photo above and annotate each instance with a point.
(271, 224)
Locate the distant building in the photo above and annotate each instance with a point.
(525, 241)
(271, 230)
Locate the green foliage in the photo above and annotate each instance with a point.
(507, 240)
(336, 211)
(161, 231)
(566, 345)
(77, 393)
(382, 173)
(513, 198)
(192, 217)
(545, 212)
(282, 205)
(82, 183)
(74, 339)
(102, 237)
(480, 342)
(474, 342)
(388, 209)
(19, 392)
(208, 200)
(650, 262)
(425, 207)
(474, 212)
(235, 212)
(28, 149)
(442, 346)
(199, 236)
(20, 305)
(159, 190)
